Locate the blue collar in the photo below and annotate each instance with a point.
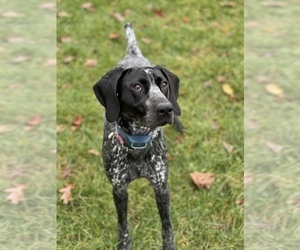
(133, 141)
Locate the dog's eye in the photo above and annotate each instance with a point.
(164, 85)
(137, 87)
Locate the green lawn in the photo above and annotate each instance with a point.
(272, 57)
(27, 89)
(202, 43)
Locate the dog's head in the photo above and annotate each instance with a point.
(147, 96)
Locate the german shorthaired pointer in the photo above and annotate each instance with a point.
(139, 98)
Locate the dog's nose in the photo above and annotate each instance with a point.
(164, 109)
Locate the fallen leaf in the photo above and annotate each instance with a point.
(88, 6)
(60, 128)
(203, 180)
(276, 148)
(10, 14)
(227, 89)
(93, 152)
(263, 79)
(295, 202)
(186, 19)
(118, 16)
(145, 40)
(228, 4)
(248, 177)
(66, 196)
(50, 62)
(113, 35)
(5, 128)
(48, 6)
(221, 79)
(66, 85)
(169, 157)
(65, 39)
(159, 12)
(68, 59)
(253, 125)
(90, 62)
(274, 4)
(32, 122)
(14, 39)
(207, 84)
(274, 90)
(66, 173)
(240, 202)
(63, 14)
(16, 194)
(77, 122)
(19, 59)
(214, 125)
(15, 173)
(229, 148)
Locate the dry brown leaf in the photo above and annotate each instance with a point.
(5, 128)
(276, 148)
(66, 39)
(228, 4)
(159, 12)
(88, 6)
(248, 177)
(60, 128)
(114, 35)
(77, 122)
(207, 84)
(10, 14)
(221, 79)
(214, 125)
(263, 79)
(50, 62)
(274, 4)
(145, 40)
(227, 89)
(295, 202)
(90, 62)
(253, 125)
(66, 173)
(14, 39)
(32, 122)
(66, 196)
(19, 59)
(229, 148)
(186, 19)
(93, 152)
(63, 14)
(16, 194)
(68, 59)
(274, 90)
(118, 16)
(240, 202)
(203, 180)
(15, 173)
(48, 6)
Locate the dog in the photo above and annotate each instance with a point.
(139, 98)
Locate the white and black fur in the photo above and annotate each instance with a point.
(139, 98)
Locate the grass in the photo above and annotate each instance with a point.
(27, 89)
(198, 41)
(271, 213)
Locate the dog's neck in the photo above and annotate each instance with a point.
(132, 128)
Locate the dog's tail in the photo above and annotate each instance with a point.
(132, 45)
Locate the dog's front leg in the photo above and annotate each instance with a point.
(163, 204)
(121, 201)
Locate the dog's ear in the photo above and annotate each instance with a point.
(173, 88)
(106, 92)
